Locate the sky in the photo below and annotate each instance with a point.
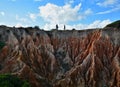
(78, 14)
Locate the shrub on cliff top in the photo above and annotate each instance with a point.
(7, 80)
(115, 24)
(2, 44)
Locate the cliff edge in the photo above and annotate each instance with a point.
(62, 58)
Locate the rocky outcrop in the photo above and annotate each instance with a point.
(69, 58)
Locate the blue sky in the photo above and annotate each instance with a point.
(79, 14)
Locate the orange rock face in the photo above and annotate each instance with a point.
(89, 58)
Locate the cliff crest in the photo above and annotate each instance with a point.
(68, 58)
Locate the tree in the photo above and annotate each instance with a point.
(115, 24)
(36, 27)
(2, 44)
(7, 80)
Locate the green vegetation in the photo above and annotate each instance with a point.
(7, 80)
(2, 44)
(115, 24)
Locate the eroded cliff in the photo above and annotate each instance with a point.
(88, 58)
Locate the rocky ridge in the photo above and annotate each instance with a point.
(62, 58)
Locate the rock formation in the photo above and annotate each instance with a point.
(69, 58)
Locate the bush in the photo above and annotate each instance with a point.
(2, 44)
(37, 27)
(115, 24)
(7, 80)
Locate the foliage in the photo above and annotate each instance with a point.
(115, 24)
(37, 27)
(2, 44)
(7, 80)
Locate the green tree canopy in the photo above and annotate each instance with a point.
(7, 80)
(115, 24)
(2, 44)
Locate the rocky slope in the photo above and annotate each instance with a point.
(87, 58)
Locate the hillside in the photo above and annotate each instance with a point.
(115, 24)
(68, 58)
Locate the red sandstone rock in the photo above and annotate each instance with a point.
(62, 59)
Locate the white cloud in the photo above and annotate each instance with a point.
(94, 24)
(6, 24)
(71, 1)
(2, 13)
(88, 11)
(1, 23)
(61, 15)
(99, 24)
(61, 26)
(54, 14)
(111, 10)
(107, 3)
(14, 24)
(21, 19)
(18, 25)
(21, 25)
(32, 16)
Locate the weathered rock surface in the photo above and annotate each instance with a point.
(88, 58)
